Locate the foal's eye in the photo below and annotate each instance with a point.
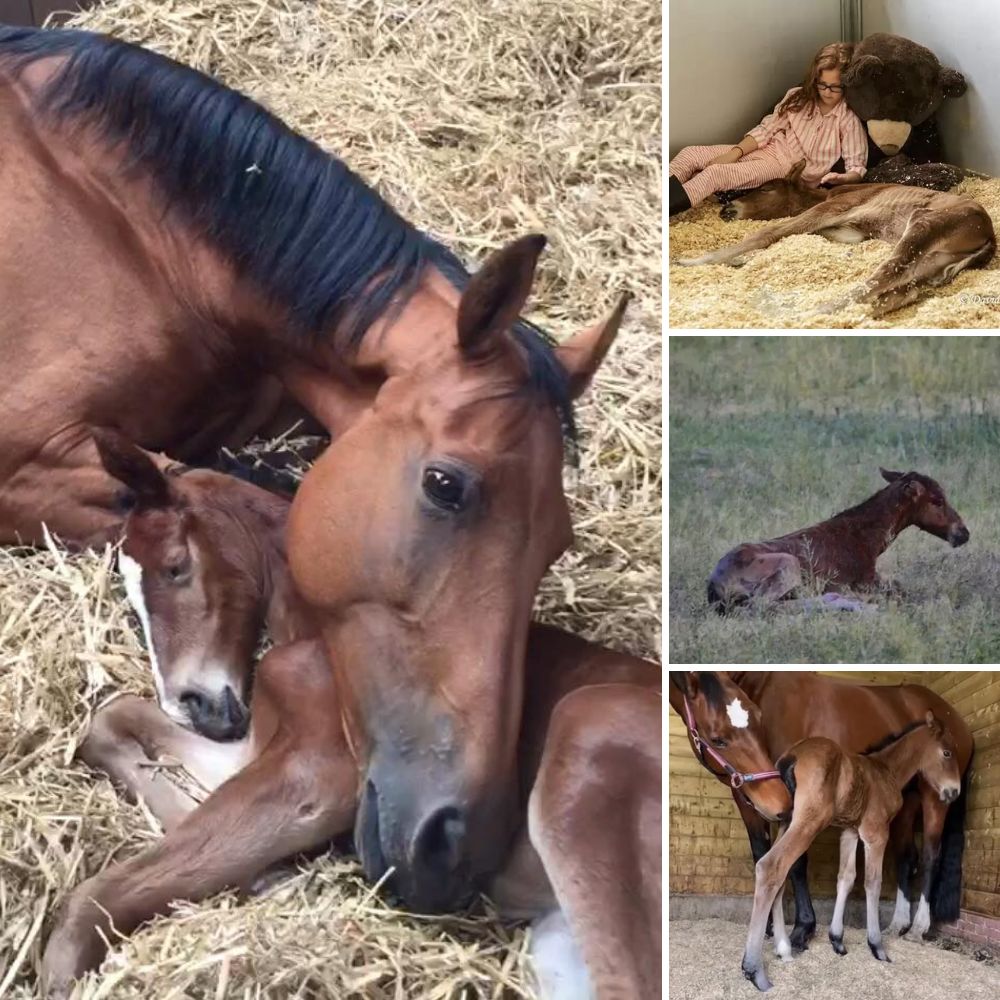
(178, 573)
(947, 753)
(444, 487)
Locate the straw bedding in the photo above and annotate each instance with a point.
(479, 122)
(782, 286)
(705, 960)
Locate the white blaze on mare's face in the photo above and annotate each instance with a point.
(132, 575)
(738, 715)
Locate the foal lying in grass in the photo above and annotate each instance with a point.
(842, 550)
(861, 793)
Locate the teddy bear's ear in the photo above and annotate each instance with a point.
(862, 68)
(952, 82)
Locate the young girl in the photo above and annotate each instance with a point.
(811, 123)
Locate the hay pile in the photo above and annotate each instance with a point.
(479, 122)
(782, 286)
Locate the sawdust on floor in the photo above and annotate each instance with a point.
(783, 285)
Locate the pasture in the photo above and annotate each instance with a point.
(771, 434)
(478, 123)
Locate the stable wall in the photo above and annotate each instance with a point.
(709, 852)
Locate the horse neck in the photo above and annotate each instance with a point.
(804, 198)
(902, 758)
(879, 519)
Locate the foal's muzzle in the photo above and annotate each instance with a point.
(958, 536)
(219, 717)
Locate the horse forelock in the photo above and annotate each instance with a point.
(296, 220)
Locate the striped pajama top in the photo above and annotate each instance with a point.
(818, 139)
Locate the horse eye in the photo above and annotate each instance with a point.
(178, 573)
(947, 753)
(445, 489)
(719, 742)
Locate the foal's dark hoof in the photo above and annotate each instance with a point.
(879, 952)
(838, 945)
(757, 976)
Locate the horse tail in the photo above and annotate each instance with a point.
(786, 768)
(946, 892)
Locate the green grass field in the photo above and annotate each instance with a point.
(771, 434)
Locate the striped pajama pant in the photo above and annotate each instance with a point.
(699, 180)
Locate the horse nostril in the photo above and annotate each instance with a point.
(222, 718)
(440, 841)
(196, 704)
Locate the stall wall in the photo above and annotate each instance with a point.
(963, 36)
(730, 62)
(709, 852)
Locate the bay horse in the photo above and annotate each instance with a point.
(937, 235)
(180, 265)
(861, 793)
(588, 748)
(841, 551)
(798, 705)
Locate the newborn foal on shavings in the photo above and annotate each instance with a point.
(841, 551)
(937, 235)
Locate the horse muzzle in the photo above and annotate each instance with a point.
(950, 794)
(958, 536)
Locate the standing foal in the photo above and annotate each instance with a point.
(861, 793)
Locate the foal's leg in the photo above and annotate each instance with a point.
(845, 881)
(904, 850)
(782, 946)
(130, 735)
(299, 793)
(811, 221)
(874, 850)
(771, 872)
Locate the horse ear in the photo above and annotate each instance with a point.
(685, 681)
(796, 172)
(890, 477)
(130, 465)
(495, 295)
(581, 355)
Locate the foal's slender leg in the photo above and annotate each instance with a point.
(131, 734)
(874, 850)
(845, 881)
(758, 831)
(782, 946)
(771, 872)
(805, 915)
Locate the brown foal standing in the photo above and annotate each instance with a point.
(937, 235)
(861, 793)
(841, 551)
(584, 863)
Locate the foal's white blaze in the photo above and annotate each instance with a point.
(738, 715)
(132, 575)
(558, 963)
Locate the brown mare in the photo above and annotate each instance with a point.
(841, 551)
(179, 264)
(588, 749)
(797, 705)
(937, 235)
(860, 793)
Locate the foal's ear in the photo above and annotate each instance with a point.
(890, 477)
(130, 465)
(934, 724)
(496, 293)
(583, 353)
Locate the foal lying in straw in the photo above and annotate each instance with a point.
(936, 234)
(861, 793)
(841, 551)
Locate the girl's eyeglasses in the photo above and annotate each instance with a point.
(836, 88)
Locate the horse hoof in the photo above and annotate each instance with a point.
(801, 933)
(879, 952)
(838, 945)
(900, 929)
(757, 976)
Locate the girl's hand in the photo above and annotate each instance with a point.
(833, 178)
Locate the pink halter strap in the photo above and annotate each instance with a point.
(737, 779)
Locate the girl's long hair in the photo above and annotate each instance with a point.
(834, 56)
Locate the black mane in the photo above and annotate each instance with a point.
(292, 217)
(887, 741)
